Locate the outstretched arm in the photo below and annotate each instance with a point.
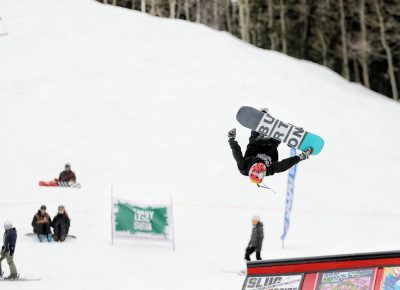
(283, 165)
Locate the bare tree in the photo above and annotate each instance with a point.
(271, 32)
(215, 21)
(153, 7)
(172, 6)
(244, 19)
(228, 15)
(346, 71)
(305, 11)
(143, 6)
(364, 47)
(283, 25)
(387, 50)
(187, 10)
(198, 11)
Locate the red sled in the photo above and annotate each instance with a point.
(60, 184)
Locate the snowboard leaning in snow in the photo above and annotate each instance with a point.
(274, 128)
(60, 184)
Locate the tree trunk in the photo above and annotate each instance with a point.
(133, 4)
(356, 71)
(187, 10)
(324, 48)
(172, 4)
(105, 2)
(243, 19)
(178, 9)
(387, 50)
(215, 24)
(344, 41)
(228, 16)
(271, 23)
(198, 11)
(143, 6)
(306, 13)
(283, 26)
(153, 7)
(364, 45)
(114, 2)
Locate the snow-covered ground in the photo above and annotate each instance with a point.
(144, 104)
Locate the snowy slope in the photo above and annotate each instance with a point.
(144, 104)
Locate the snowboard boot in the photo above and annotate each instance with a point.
(41, 237)
(62, 239)
(55, 238)
(12, 277)
(49, 237)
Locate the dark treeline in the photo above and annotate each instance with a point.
(357, 38)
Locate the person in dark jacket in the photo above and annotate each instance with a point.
(256, 240)
(60, 224)
(261, 156)
(67, 175)
(8, 249)
(41, 223)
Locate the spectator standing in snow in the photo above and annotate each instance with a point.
(67, 175)
(8, 249)
(257, 236)
(60, 224)
(41, 224)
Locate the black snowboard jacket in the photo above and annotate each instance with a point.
(9, 241)
(61, 219)
(256, 148)
(257, 236)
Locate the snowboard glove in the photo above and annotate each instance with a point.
(304, 155)
(232, 133)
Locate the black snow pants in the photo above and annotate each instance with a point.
(60, 232)
(251, 250)
(42, 229)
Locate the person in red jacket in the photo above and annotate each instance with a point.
(67, 175)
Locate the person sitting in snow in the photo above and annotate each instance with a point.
(261, 156)
(60, 224)
(41, 223)
(67, 175)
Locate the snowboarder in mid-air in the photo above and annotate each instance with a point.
(256, 240)
(261, 156)
(8, 249)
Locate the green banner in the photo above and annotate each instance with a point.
(141, 221)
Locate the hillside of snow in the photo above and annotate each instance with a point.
(144, 104)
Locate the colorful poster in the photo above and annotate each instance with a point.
(391, 278)
(281, 282)
(347, 280)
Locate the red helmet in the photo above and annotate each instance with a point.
(257, 172)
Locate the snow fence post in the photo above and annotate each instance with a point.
(173, 226)
(112, 215)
